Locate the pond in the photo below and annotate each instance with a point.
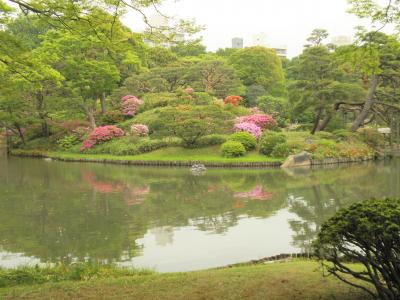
(169, 219)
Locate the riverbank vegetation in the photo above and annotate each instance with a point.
(92, 86)
(288, 280)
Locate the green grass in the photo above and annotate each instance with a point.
(298, 279)
(208, 154)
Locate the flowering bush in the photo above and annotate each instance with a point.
(101, 134)
(234, 100)
(189, 90)
(261, 120)
(251, 128)
(130, 105)
(139, 130)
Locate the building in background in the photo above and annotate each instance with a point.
(260, 39)
(237, 43)
(281, 51)
(341, 40)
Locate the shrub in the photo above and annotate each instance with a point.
(211, 140)
(372, 137)
(324, 135)
(68, 141)
(344, 134)
(232, 149)
(139, 130)
(130, 105)
(251, 128)
(367, 233)
(269, 140)
(261, 120)
(109, 118)
(245, 138)
(234, 100)
(150, 145)
(100, 135)
(281, 150)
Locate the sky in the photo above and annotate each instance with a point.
(286, 22)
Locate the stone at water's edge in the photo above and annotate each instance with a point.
(302, 159)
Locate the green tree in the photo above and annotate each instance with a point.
(259, 66)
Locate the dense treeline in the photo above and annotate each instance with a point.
(64, 64)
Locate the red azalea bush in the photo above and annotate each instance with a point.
(234, 100)
(130, 105)
(261, 120)
(100, 135)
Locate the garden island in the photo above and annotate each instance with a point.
(128, 156)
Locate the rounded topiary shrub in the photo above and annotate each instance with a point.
(281, 150)
(246, 139)
(232, 149)
(366, 233)
(269, 140)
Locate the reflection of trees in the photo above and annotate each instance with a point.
(60, 211)
(333, 189)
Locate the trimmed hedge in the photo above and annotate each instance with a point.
(233, 149)
(245, 138)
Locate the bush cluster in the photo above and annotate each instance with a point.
(211, 140)
(100, 135)
(246, 139)
(269, 140)
(232, 149)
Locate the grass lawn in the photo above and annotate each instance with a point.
(298, 279)
(207, 154)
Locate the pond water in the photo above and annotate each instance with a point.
(169, 219)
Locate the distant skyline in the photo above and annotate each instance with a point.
(286, 22)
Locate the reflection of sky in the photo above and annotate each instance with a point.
(14, 260)
(191, 249)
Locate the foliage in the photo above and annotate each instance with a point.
(130, 105)
(372, 137)
(251, 128)
(281, 150)
(211, 140)
(261, 120)
(367, 233)
(100, 135)
(139, 130)
(233, 100)
(111, 117)
(233, 149)
(259, 66)
(269, 140)
(68, 141)
(245, 138)
(61, 272)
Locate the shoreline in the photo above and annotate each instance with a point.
(177, 163)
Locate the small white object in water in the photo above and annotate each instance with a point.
(198, 169)
(47, 159)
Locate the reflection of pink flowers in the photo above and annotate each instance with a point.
(255, 194)
(136, 195)
(261, 120)
(102, 186)
(130, 105)
(251, 128)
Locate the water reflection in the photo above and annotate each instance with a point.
(170, 219)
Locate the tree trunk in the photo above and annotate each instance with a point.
(20, 133)
(103, 103)
(89, 110)
(322, 125)
(367, 105)
(317, 118)
(42, 113)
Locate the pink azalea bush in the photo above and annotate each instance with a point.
(139, 130)
(251, 128)
(100, 135)
(261, 120)
(130, 105)
(189, 90)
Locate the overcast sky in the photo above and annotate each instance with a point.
(286, 22)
